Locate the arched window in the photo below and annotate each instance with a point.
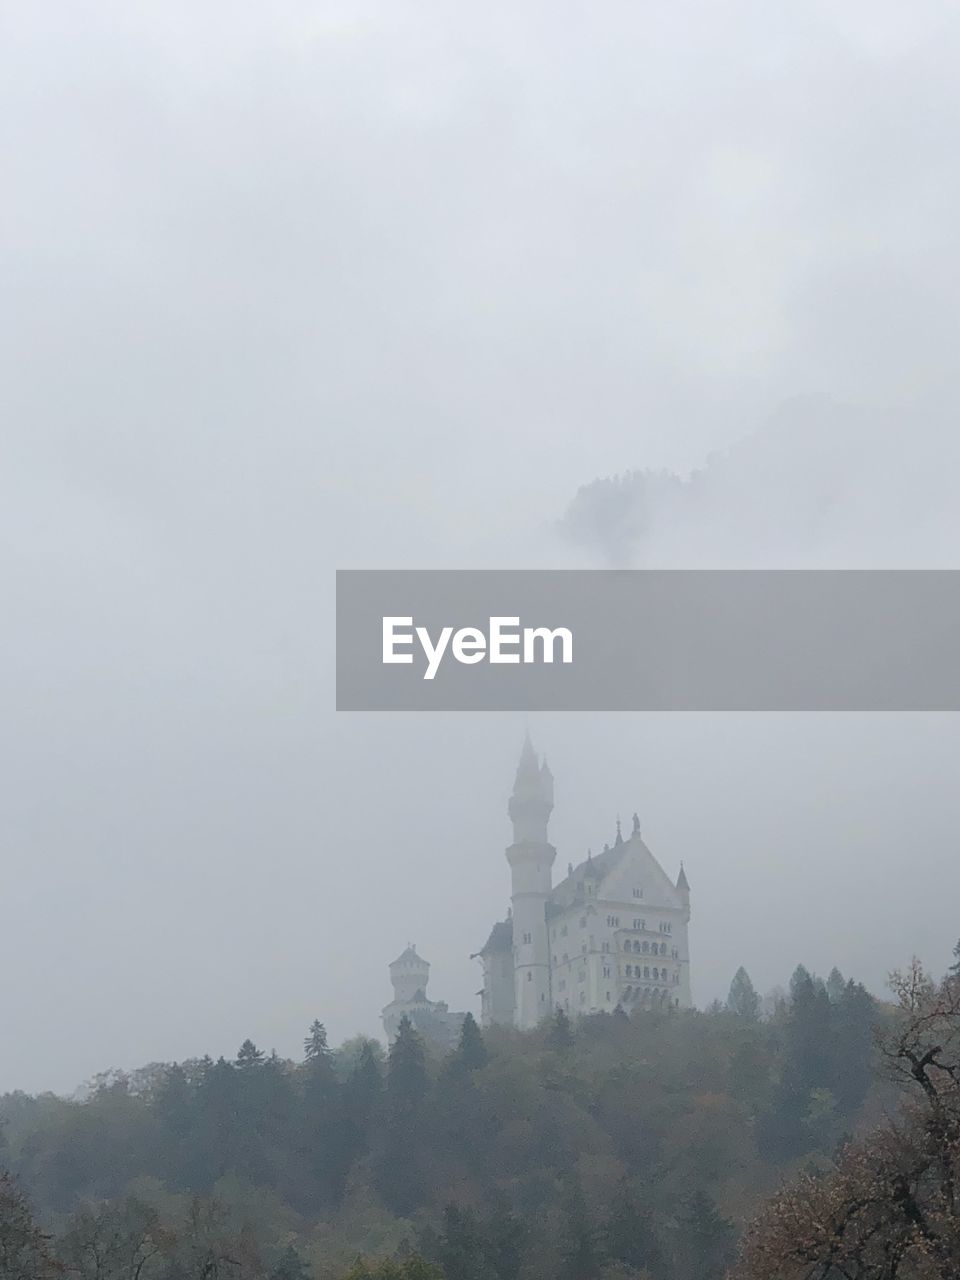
(646, 947)
(646, 971)
(629, 970)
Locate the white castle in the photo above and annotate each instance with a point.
(612, 934)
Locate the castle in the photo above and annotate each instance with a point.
(612, 934)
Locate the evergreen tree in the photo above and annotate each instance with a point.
(290, 1266)
(955, 967)
(580, 1245)
(630, 1235)
(836, 985)
(854, 1018)
(743, 999)
(707, 1240)
(560, 1035)
(406, 1070)
(401, 1176)
(471, 1052)
(249, 1056)
(315, 1047)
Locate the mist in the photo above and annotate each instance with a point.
(378, 285)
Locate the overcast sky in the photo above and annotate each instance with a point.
(300, 286)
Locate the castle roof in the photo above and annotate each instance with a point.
(409, 956)
(571, 887)
(501, 938)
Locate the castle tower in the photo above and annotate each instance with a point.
(531, 860)
(409, 975)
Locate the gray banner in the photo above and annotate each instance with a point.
(648, 640)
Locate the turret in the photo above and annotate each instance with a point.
(531, 803)
(409, 974)
(683, 888)
(531, 860)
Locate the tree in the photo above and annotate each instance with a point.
(836, 985)
(743, 999)
(560, 1035)
(888, 1210)
(315, 1047)
(707, 1239)
(24, 1251)
(407, 1267)
(401, 1176)
(119, 1241)
(955, 967)
(249, 1056)
(580, 1241)
(406, 1071)
(471, 1052)
(290, 1266)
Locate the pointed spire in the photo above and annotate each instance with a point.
(528, 770)
(682, 882)
(531, 802)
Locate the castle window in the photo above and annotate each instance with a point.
(528, 937)
(608, 997)
(529, 975)
(636, 946)
(646, 947)
(656, 974)
(646, 972)
(639, 924)
(606, 946)
(583, 997)
(629, 970)
(638, 893)
(606, 971)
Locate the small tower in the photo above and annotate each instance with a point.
(531, 860)
(409, 975)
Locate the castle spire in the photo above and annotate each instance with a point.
(531, 803)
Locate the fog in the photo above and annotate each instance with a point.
(300, 287)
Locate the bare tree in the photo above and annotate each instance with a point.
(888, 1209)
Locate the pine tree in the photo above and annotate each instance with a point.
(560, 1035)
(315, 1046)
(955, 967)
(707, 1239)
(249, 1056)
(471, 1052)
(743, 999)
(406, 1070)
(401, 1175)
(290, 1266)
(580, 1246)
(836, 985)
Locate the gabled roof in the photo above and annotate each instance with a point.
(501, 938)
(598, 870)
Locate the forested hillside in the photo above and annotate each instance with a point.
(616, 1147)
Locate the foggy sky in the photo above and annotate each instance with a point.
(303, 286)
